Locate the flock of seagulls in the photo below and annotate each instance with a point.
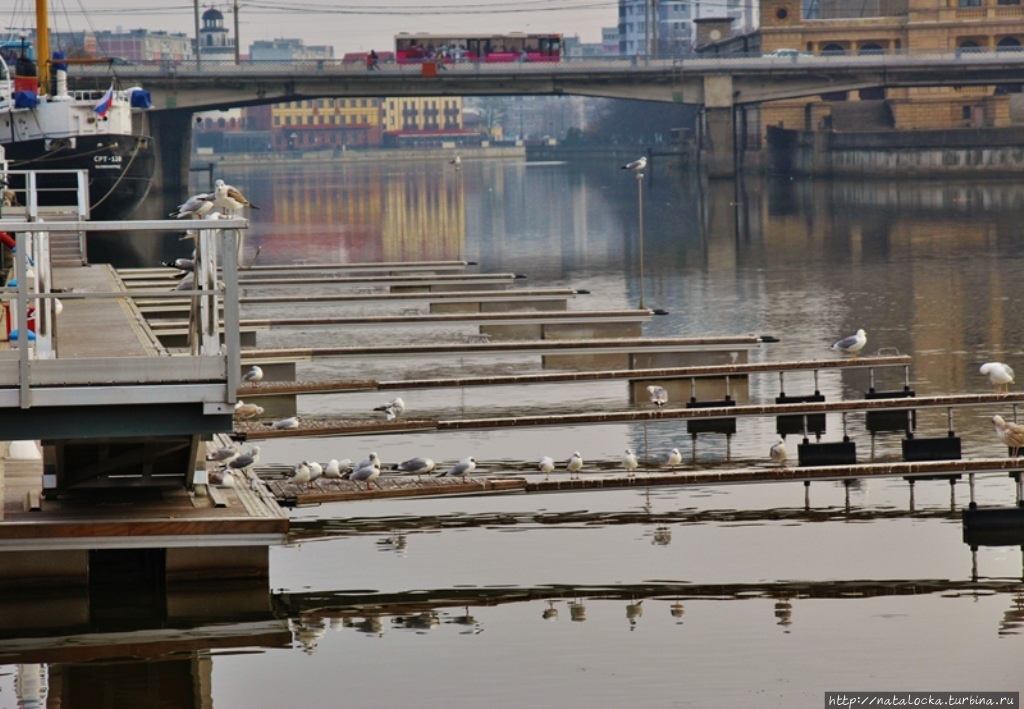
(229, 199)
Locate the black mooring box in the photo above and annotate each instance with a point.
(726, 426)
(891, 421)
(832, 453)
(794, 424)
(939, 448)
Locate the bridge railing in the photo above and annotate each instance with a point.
(903, 57)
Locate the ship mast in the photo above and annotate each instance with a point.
(43, 45)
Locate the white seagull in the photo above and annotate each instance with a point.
(228, 198)
(335, 466)
(315, 470)
(195, 207)
(659, 395)
(629, 462)
(253, 375)
(574, 465)
(302, 475)
(674, 458)
(371, 459)
(461, 469)
(392, 409)
(546, 466)
(222, 478)
(1000, 375)
(777, 453)
(637, 165)
(852, 344)
(292, 422)
(456, 161)
(223, 455)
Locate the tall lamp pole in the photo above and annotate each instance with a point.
(640, 211)
(199, 43)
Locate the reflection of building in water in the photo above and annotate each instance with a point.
(424, 218)
(30, 685)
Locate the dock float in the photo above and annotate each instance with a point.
(289, 494)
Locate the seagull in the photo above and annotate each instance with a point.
(456, 161)
(777, 454)
(335, 466)
(222, 478)
(301, 475)
(223, 455)
(195, 207)
(629, 461)
(182, 264)
(392, 409)
(367, 474)
(574, 465)
(637, 165)
(253, 375)
(1011, 434)
(416, 466)
(315, 470)
(227, 197)
(659, 395)
(289, 423)
(674, 458)
(372, 459)
(247, 411)
(245, 460)
(1000, 375)
(461, 469)
(546, 466)
(852, 344)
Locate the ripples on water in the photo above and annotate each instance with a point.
(727, 596)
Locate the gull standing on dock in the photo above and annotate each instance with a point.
(777, 453)
(223, 455)
(292, 422)
(301, 475)
(629, 462)
(1011, 434)
(456, 161)
(546, 466)
(334, 468)
(637, 165)
(392, 409)
(372, 459)
(246, 460)
(575, 465)
(367, 474)
(853, 344)
(674, 458)
(253, 376)
(416, 466)
(1000, 375)
(461, 469)
(230, 199)
(195, 207)
(659, 395)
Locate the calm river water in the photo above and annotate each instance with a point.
(715, 597)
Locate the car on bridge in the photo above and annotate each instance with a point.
(789, 53)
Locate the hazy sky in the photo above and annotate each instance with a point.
(348, 25)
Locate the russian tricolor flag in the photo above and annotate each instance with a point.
(105, 103)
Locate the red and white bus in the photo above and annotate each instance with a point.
(453, 48)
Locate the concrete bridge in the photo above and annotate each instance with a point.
(719, 84)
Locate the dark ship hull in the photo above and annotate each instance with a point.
(120, 171)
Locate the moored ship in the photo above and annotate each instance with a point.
(43, 126)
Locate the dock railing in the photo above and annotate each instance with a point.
(209, 373)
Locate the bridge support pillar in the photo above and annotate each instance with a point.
(719, 145)
(172, 131)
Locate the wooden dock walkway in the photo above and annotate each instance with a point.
(495, 482)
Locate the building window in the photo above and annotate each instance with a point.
(969, 3)
(965, 113)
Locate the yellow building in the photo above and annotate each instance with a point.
(911, 26)
(422, 119)
(326, 123)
